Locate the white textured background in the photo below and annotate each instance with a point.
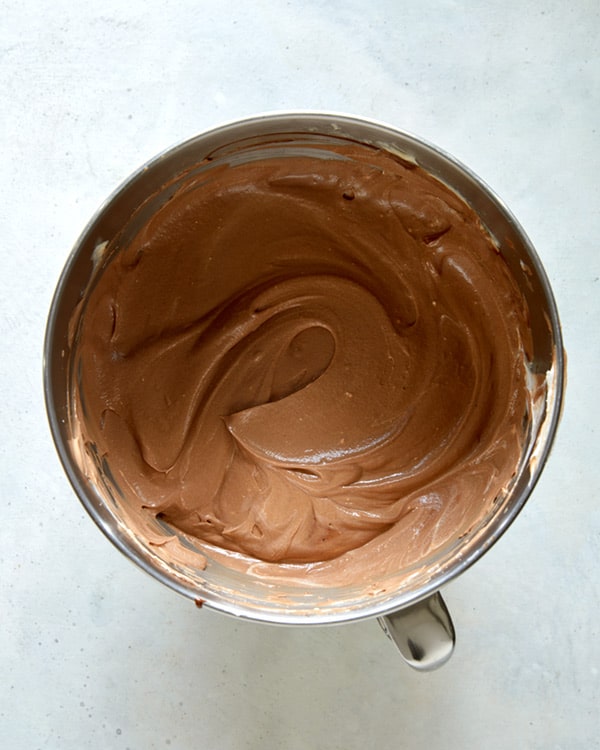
(93, 653)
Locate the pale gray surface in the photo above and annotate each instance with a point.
(94, 654)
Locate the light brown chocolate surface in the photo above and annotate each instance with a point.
(312, 359)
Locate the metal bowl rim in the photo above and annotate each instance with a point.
(122, 542)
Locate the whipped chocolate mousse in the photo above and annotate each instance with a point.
(315, 358)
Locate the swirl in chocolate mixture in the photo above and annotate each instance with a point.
(302, 355)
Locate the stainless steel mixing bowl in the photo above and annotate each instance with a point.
(412, 612)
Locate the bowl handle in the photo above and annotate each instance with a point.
(423, 633)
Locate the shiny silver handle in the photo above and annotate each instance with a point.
(423, 633)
